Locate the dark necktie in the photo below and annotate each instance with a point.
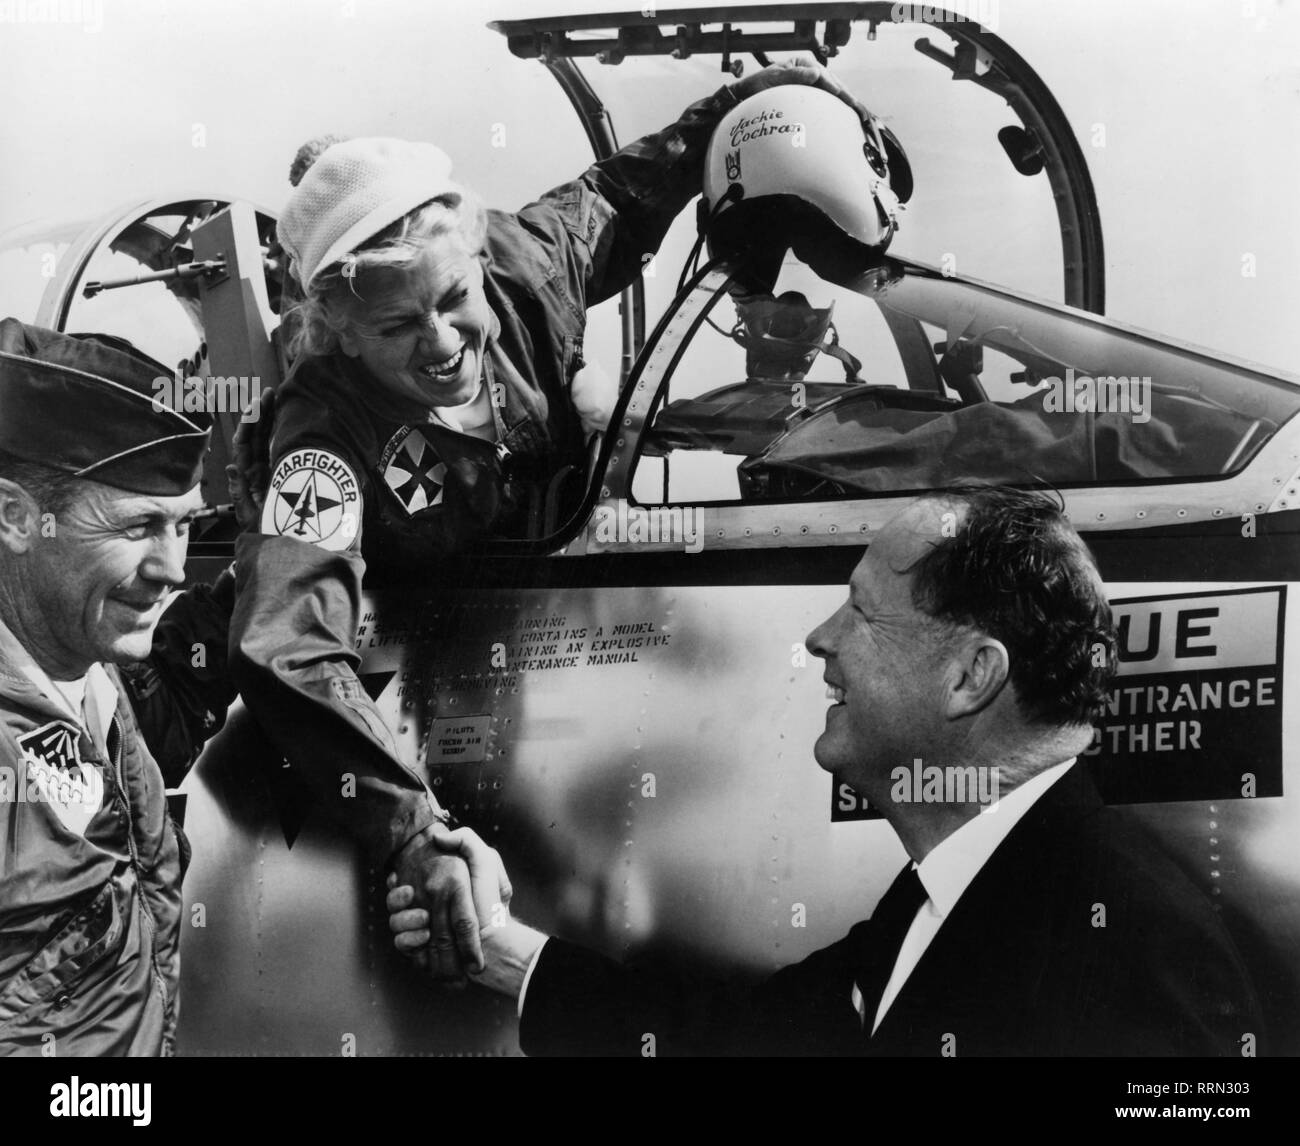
(883, 937)
(113, 741)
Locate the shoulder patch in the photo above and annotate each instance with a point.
(314, 496)
(413, 471)
(58, 776)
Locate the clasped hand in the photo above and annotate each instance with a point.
(446, 887)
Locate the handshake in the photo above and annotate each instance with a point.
(448, 928)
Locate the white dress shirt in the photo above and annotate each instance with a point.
(948, 870)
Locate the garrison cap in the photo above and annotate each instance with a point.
(87, 405)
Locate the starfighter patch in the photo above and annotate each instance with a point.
(314, 497)
(58, 777)
(413, 471)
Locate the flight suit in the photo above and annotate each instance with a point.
(362, 489)
(90, 860)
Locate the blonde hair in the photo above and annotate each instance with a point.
(318, 319)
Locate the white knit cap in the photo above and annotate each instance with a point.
(352, 192)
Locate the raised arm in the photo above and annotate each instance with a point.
(604, 225)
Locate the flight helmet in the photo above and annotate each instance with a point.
(794, 167)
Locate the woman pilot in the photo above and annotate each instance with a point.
(431, 405)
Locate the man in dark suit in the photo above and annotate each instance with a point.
(964, 669)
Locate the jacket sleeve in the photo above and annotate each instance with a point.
(181, 693)
(293, 658)
(605, 224)
(579, 1002)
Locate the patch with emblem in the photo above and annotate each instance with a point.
(314, 497)
(412, 470)
(58, 777)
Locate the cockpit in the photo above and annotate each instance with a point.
(903, 379)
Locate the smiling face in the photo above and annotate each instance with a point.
(884, 663)
(420, 329)
(95, 589)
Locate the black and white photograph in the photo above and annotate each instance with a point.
(554, 530)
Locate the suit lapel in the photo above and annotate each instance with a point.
(971, 982)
